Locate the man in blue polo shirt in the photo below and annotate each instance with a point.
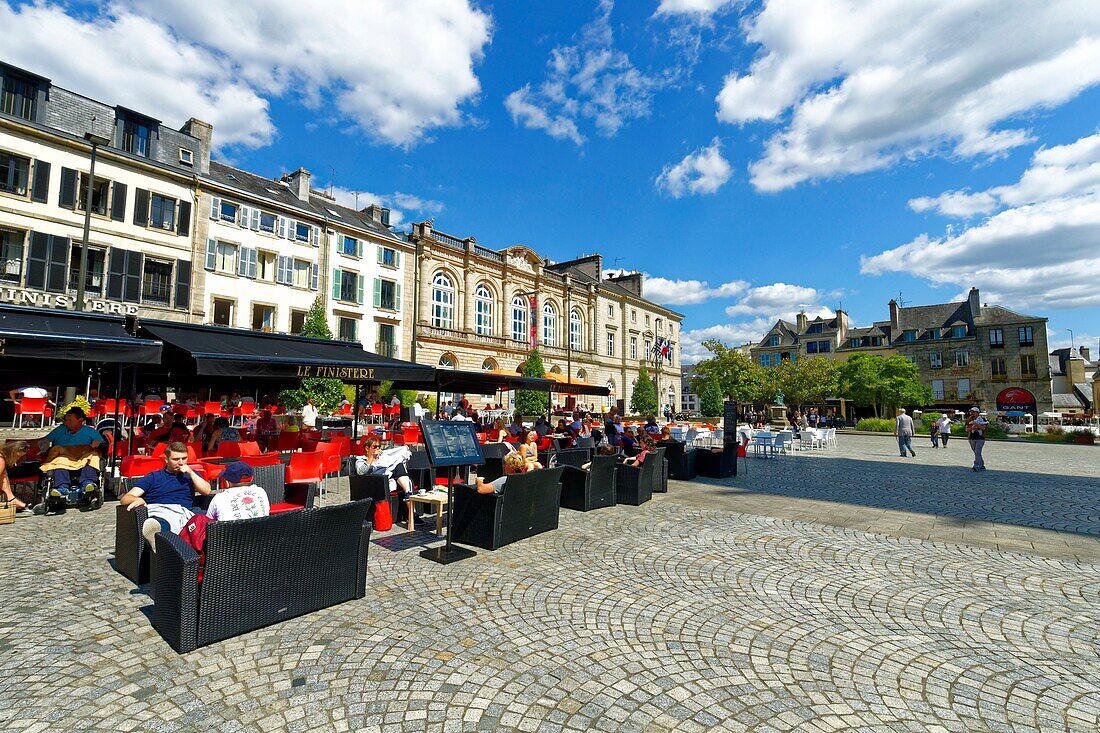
(73, 432)
(167, 494)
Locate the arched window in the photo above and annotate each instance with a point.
(446, 362)
(549, 325)
(610, 393)
(582, 374)
(443, 301)
(483, 310)
(519, 319)
(555, 369)
(576, 338)
(488, 365)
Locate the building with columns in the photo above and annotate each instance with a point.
(483, 309)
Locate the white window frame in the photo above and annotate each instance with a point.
(549, 324)
(576, 330)
(443, 301)
(962, 359)
(611, 343)
(519, 319)
(483, 310)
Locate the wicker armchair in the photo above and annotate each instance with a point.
(528, 506)
(592, 489)
(717, 463)
(681, 459)
(259, 572)
(576, 457)
(635, 485)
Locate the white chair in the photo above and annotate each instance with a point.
(830, 437)
(808, 441)
(784, 441)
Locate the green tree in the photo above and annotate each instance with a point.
(737, 376)
(882, 382)
(327, 394)
(643, 401)
(807, 381)
(530, 402)
(710, 399)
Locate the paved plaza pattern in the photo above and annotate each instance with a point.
(815, 593)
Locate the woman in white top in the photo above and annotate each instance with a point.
(309, 414)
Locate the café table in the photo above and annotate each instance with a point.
(436, 498)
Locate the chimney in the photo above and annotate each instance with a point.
(842, 325)
(894, 315)
(422, 230)
(1075, 369)
(204, 132)
(801, 321)
(631, 281)
(975, 303)
(379, 214)
(1084, 352)
(299, 183)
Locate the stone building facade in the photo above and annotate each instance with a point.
(966, 352)
(483, 309)
(142, 203)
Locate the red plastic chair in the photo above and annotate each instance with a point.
(411, 434)
(344, 441)
(151, 408)
(31, 407)
(133, 467)
(213, 408)
(331, 452)
(376, 413)
(192, 453)
(263, 459)
(249, 448)
(344, 409)
(307, 467)
(228, 449)
(392, 411)
(243, 411)
(287, 441)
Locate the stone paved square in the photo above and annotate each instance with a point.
(846, 590)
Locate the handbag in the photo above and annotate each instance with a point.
(383, 520)
(7, 512)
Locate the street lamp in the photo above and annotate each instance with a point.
(96, 141)
(1071, 345)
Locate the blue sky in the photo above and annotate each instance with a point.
(754, 159)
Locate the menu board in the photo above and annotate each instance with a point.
(451, 443)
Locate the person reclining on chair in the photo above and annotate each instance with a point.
(73, 447)
(513, 463)
(168, 494)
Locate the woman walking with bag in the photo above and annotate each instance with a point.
(975, 428)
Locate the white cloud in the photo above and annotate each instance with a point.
(590, 80)
(1038, 251)
(859, 86)
(701, 9)
(703, 171)
(401, 205)
(223, 61)
(1059, 338)
(1057, 171)
(776, 298)
(688, 292)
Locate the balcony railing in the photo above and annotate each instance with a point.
(448, 240)
(387, 349)
(488, 253)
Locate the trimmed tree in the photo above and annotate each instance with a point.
(530, 402)
(710, 399)
(327, 394)
(644, 399)
(882, 382)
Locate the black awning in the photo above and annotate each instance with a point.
(586, 389)
(57, 335)
(485, 383)
(217, 351)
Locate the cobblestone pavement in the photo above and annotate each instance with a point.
(698, 611)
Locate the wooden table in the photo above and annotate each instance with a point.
(435, 498)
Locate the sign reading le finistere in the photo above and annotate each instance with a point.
(18, 296)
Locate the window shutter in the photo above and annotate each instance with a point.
(183, 227)
(396, 258)
(282, 227)
(340, 240)
(58, 264)
(280, 272)
(41, 190)
(115, 271)
(215, 207)
(291, 229)
(118, 201)
(183, 284)
(255, 220)
(252, 258)
(358, 247)
(141, 207)
(66, 198)
(37, 259)
(315, 277)
(379, 248)
(131, 293)
(242, 263)
(360, 282)
(336, 284)
(242, 217)
(316, 236)
(397, 297)
(211, 254)
(377, 293)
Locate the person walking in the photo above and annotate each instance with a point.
(944, 425)
(975, 428)
(903, 431)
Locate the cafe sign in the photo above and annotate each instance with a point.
(19, 296)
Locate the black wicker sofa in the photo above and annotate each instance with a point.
(259, 572)
(528, 506)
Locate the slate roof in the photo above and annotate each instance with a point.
(279, 193)
(1065, 401)
(994, 314)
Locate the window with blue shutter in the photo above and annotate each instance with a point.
(57, 265)
(242, 262)
(337, 282)
(211, 254)
(242, 220)
(282, 272)
(37, 260)
(377, 293)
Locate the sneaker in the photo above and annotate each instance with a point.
(149, 529)
(58, 491)
(90, 487)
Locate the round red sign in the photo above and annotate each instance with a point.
(1015, 398)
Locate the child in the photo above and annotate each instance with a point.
(530, 451)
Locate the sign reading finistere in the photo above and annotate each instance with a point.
(18, 296)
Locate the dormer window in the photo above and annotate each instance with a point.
(135, 137)
(910, 335)
(958, 332)
(187, 157)
(934, 334)
(773, 341)
(815, 328)
(19, 97)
